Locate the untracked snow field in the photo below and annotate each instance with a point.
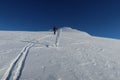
(68, 55)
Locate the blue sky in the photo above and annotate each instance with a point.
(97, 17)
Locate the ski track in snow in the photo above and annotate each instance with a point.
(10, 69)
(57, 41)
(21, 63)
(15, 69)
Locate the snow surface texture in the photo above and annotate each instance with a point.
(68, 55)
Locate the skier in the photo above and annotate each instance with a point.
(54, 29)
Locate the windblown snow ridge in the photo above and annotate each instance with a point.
(69, 29)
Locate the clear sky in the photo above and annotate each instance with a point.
(97, 17)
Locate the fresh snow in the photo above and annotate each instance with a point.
(68, 55)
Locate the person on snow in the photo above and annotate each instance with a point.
(54, 29)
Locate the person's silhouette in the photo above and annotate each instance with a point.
(54, 29)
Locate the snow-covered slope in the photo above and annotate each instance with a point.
(68, 55)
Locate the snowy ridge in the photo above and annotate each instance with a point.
(65, 56)
(69, 29)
